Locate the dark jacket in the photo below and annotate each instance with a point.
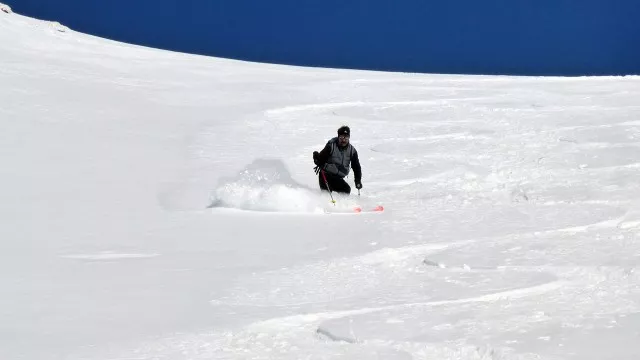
(337, 161)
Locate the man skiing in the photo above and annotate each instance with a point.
(334, 162)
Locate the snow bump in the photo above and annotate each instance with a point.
(5, 8)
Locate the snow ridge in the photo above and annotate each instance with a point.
(5, 8)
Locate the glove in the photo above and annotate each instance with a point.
(317, 170)
(358, 185)
(315, 157)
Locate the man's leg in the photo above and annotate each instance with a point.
(338, 185)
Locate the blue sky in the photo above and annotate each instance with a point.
(527, 37)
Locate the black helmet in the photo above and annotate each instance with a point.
(344, 130)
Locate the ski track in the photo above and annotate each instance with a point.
(287, 330)
(108, 256)
(313, 321)
(284, 334)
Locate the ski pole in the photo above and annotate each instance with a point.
(328, 188)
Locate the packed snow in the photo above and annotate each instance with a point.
(158, 205)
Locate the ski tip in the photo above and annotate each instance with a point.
(359, 209)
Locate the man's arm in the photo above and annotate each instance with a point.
(320, 158)
(357, 170)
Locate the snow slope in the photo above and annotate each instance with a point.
(158, 205)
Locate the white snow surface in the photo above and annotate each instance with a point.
(158, 205)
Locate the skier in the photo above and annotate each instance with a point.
(334, 162)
